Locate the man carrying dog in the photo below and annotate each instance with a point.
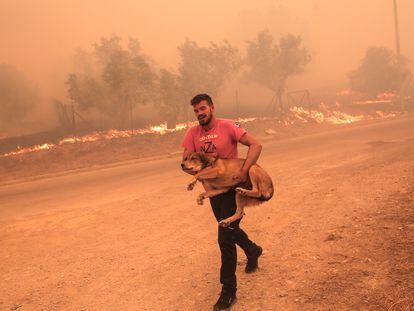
(218, 138)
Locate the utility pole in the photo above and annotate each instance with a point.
(237, 105)
(398, 50)
(397, 31)
(73, 121)
(130, 119)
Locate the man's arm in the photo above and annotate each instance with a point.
(255, 148)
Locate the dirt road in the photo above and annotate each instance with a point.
(339, 235)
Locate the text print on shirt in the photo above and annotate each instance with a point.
(209, 147)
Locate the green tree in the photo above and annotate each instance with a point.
(271, 63)
(381, 70)
(87, 92)
(125, 79)
(205, 69)
(106, 48)
(130, 80)
(172, 97)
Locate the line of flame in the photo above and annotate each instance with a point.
(111, 134)
(334, 117)
(30, 149)
(299, 113)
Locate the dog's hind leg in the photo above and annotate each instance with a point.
(254, 193)
(237, 215)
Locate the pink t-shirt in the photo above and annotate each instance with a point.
(219, 141)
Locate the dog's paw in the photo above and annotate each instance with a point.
(241, 190)
(225, 222)
(200, 199)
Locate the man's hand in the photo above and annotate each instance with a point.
(241, 176)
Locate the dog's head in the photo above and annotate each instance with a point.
(195, 162)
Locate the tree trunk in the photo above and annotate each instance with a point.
(280, 107)
(279, 93)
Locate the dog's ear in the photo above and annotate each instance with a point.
(204, 159)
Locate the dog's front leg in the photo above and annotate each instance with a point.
(209, 194)
(200, 199)
(207, 173)
(191, 185)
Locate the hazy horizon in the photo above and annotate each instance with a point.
(40, 38)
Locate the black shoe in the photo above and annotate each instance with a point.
(252, 259)
(225, 301)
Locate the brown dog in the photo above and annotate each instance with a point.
(217, 177)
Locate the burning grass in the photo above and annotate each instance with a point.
(297, 114)
(105, 147)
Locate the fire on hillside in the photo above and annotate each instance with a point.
(297, 114)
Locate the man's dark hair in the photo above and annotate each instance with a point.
(200, 97)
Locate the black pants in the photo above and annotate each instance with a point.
(224, 205)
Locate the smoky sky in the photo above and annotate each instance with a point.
(40, 37)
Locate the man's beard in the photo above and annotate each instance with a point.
(205, 121)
